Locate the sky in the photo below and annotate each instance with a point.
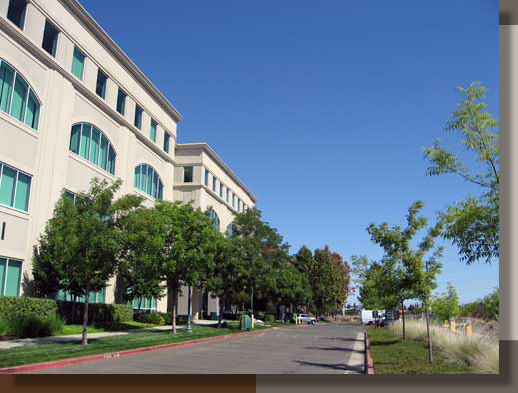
(322, 108)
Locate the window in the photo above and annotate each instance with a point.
(15, 187)
(91, 144)
(230, 230)
(214, 183)
(206, 177)
(166, 142)
(16, 96)
(93, 296)
(220, 190)
(16, 12)
(238, 204)
(152, 131)
(138, 117)
(71, 195)
(78, 63)
(10, 276)
(100, 86)
(144, 303)
(50, 38)
(215, 219)
(187, 174)
(147, 180)
(228, 193)
(233, 200)
(121, 102)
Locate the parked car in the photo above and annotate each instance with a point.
(306, 318)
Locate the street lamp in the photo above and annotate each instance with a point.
(188, 329)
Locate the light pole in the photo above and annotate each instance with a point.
(189, 309)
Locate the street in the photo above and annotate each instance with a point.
(317, 349)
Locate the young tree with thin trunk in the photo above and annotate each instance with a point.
(81, 240)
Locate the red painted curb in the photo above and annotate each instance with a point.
(109, 355)
(369, 363)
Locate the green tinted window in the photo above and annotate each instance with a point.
(14, 274)
(78, 63)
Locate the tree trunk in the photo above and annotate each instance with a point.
(84, 340)
(174, 287)
(430, 353)
(74, 300)
(403, 311)
(220, 317)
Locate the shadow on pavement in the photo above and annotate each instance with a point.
(337, 366)
(335, 349)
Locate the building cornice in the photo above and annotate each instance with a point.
(104, 39)
(212, 154)
(80, 87)
(196, 186)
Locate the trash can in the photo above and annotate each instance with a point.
(214, 316)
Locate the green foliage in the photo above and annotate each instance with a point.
(405, 273)
(472, 224)
(270, 318)
(23, 305)
(97, 312)
(81, 241)
(121, 313)
(154, 318)
(486, 308)
(24, 326)
(143, 238)
(446, 306)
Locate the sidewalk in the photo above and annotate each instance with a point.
(77, 337)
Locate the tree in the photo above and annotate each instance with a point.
(326, 282)
(473, 223)
(405, 272)
(81, 241)
(192, 245)
(143, 245)
(372, 296)
(263, 251)
(446, 305)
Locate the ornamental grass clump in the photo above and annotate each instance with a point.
(479, 352)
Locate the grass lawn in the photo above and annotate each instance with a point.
(392, 355)
(78, 329)
(45, 352)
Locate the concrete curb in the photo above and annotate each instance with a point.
(369, 363)
(109, 355)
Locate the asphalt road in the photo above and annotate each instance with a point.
(318, 349)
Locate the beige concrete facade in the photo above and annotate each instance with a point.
(44, 153)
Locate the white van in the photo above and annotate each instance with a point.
(368, 318)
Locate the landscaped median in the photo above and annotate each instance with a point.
(393, 355)
(34, 356)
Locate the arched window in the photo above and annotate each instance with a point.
(17, 98)
(147, 180)
(230, 230)
(91, 144)
(215, 219)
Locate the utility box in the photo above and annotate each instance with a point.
(246, 323)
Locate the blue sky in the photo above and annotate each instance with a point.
(322, 108)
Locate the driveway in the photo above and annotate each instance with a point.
(318, 349)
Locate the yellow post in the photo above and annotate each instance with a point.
(253, 321)
(469, 330)
(452, 326)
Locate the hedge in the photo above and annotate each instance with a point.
(11, 306)
(97, 312)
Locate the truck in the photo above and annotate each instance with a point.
(369, 316)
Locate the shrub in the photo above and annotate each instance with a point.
(270, 318)
(23, 305)
(34, 326)
(168, 318)
(154, 318)
(97, 312)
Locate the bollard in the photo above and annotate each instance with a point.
(469, 330)
(452, 326)
(253, 321)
